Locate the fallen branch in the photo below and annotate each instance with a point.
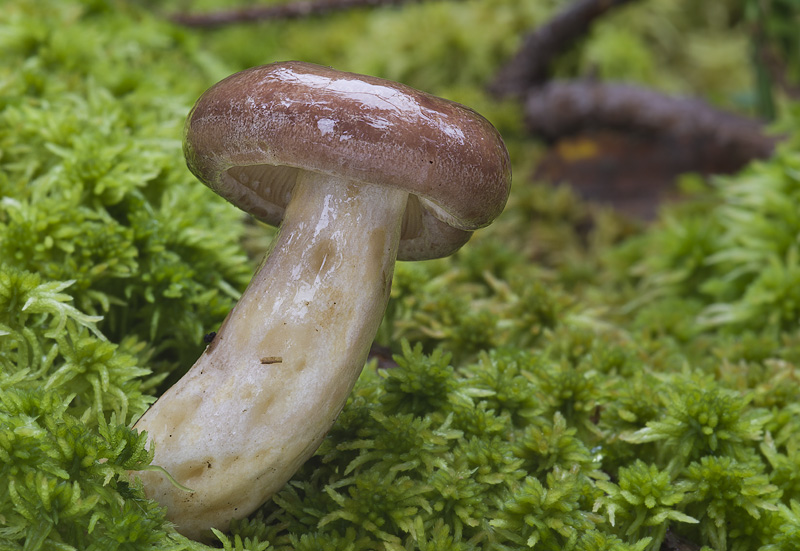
(561, 109)
(673, 542)
(530, 65)
(776, 68)
(292, 10)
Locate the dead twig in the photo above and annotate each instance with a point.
(382, 355)
(777, 70)
(673, 542)
(531, 64)
(561, 109)
(292, 10)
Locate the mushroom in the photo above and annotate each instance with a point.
(358, 172)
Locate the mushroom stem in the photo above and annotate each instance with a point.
(261, 398)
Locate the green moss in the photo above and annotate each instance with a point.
(643, 503)
(93, 181)
(65, 487)
(568, 380)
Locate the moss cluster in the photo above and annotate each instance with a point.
(552, 387)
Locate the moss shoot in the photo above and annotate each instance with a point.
(551, 387)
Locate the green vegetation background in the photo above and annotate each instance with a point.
(555, 389)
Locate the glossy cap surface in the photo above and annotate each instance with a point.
(250, 135)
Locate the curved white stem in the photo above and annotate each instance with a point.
(260, 399)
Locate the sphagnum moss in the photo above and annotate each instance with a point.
(529, 408)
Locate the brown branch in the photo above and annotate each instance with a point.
(530, 66)
(383, 356)
(292, 10)
(561, 109)
(673, 542)
(776, 68)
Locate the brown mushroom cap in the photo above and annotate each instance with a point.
(250, 135)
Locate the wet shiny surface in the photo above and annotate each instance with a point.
(359, 128)
(235, 428)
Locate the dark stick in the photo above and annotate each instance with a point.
(530, 65)
(292, 10)
(673, 542)
(776, 68)
(560, 109)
